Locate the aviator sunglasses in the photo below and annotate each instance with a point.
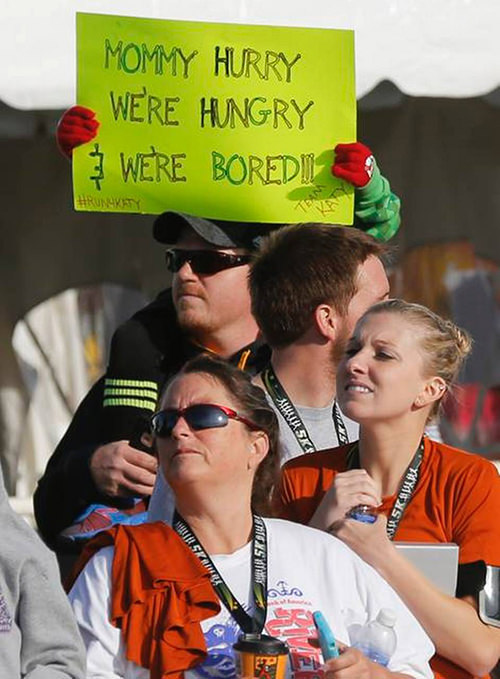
(198, 416)
(203, 261)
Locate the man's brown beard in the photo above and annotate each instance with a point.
(189, 324)
(339, 346)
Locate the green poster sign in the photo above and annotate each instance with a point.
(218, 120)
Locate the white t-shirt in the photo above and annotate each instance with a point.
(308, 570)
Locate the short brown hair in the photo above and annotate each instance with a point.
(301, 266)
(252, 403)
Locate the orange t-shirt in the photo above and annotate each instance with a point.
(456, 499)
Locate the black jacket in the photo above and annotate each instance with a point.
(145, 351)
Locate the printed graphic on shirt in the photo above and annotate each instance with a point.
(289, 617)
(5, 617)
(220, 661)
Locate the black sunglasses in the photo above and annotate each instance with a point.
(203, 261)
(198, 416)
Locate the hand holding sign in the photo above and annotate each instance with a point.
(79, 125)
(76, 126)
(227, 121)
(354, 163)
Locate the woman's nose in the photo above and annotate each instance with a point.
(356, 363)
(180, 428)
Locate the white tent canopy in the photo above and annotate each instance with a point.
(427, 48)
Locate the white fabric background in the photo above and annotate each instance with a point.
(427, 48)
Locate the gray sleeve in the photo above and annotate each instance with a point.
(51, 645)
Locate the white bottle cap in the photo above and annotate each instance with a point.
(387, 617)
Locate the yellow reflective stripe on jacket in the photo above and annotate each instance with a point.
(147, 384)
(130, 403)
(145, 393)
(130, 393)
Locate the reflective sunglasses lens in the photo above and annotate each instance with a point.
(163, 423)
(202, 416)
(209, 262)
(175, 260)
(202, 261)
(205, 416)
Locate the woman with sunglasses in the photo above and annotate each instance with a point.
(142, 603)
(400, 362)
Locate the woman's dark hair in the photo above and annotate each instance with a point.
(253, 405)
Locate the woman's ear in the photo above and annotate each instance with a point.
(433, 391)
(259, 447)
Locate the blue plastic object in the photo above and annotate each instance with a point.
(325, 635)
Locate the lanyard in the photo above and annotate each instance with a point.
(406, 489)
(289, 412)
(246, 622)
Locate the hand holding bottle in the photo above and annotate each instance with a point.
(350, 488)
(377, 639)
(350, 664)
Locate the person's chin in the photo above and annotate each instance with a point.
(184, 466)
(190, 318)
(352, 409)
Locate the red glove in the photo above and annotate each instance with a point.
(354, 163)
(77, 126)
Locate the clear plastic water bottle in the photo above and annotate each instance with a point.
(377, 639)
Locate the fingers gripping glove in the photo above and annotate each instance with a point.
(354, 163)
(376, 208)
(77, 126)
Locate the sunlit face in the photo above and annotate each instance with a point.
(214, 456)
(381, 376)
(207, 303)
(372, 287)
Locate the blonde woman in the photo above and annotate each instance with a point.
(400, 362)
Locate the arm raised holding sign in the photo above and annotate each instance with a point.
(77, 126)
(376, 208)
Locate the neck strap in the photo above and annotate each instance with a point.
(406, 489)
(246, 622)
(289, 412)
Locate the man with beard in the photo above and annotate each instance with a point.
(309, 285)
(100, 466)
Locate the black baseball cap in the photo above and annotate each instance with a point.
(224, 234)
